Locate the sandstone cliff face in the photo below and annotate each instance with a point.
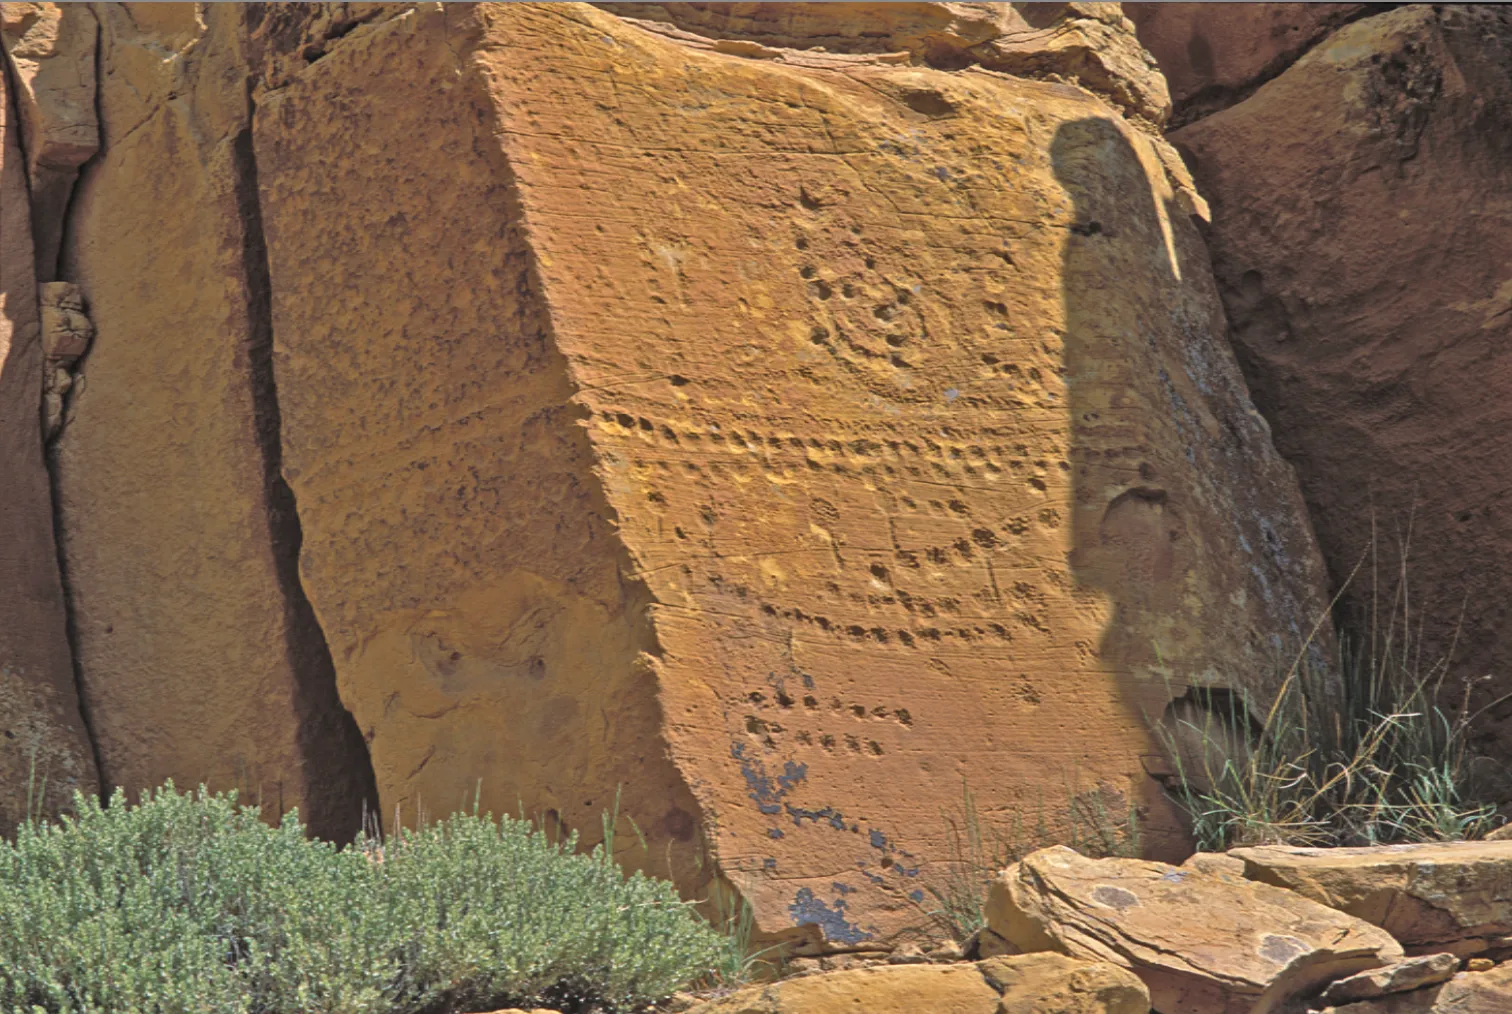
(1361, 239)
(661, 407)
(44, 751)
(199, 658)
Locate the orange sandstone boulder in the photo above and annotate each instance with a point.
(766, 437)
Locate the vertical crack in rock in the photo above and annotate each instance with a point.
(64, 664)
(337, 770)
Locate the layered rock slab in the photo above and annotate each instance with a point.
(1402, 977)
(1023, 984)
(813, 429)
(1425, 895)
(1488, 992)
(45, 752)
(1204, 943)
(1362, 223)
(198, 659)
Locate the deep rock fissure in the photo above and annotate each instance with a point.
(341, 786)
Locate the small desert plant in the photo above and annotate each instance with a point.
(1370, 751)
(978, 853)
(187, 902)
(740, 960)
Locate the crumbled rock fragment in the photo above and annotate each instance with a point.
(1412, 973)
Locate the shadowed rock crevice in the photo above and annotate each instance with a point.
(337, 770)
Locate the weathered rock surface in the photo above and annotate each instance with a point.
(799, 430)
(1091, 44)
(1213, 55)
(42, 735)
(1203, 943)
(1409, 974)
(198, 658)
(1424, 895)
(66, 335)
(906, 510)
(1362, 231)
(1025, 984)
(51, 51)
(1487, 992)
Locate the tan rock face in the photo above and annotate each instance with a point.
(1363, 227)
(490, 638)
(1202, 943)
(51, 51)
(915, 487)
(1213, 55)
(42, 736)
(801, 432)
(1421, 894)
(1467, 993)
(1026, 984)
(198, 658)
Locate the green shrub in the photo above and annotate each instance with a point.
(189, 903)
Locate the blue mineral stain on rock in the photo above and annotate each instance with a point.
(775, 832)
(917, 897)
(878, 840)
(769, 864)
(808, 909)
(829, 814)
(841, 889)
(766, 791)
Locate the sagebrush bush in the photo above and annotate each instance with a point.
(187, 902)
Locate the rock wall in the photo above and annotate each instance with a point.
(45, 752)
(771, 418)
(1361, 240)
(1213, 55)
(199, 658)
